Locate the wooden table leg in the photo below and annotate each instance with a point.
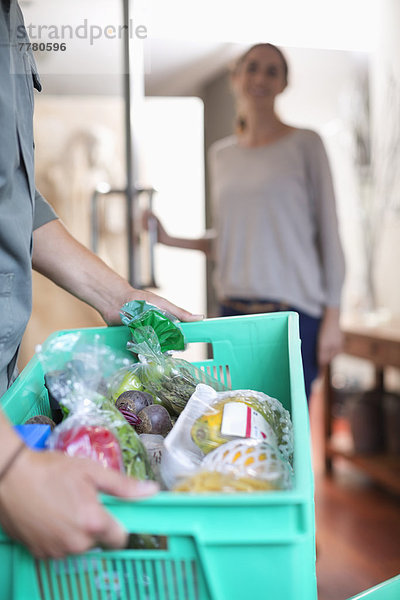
(379, 379)
(328, 402)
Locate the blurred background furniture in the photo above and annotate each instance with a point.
(380, 345)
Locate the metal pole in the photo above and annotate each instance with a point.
(128, 145)
(152, 241)
(93, 224)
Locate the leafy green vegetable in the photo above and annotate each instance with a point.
(136, 460)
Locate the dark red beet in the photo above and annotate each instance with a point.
(134, 400)
(130, 417)
(41, 420)
(154, 419)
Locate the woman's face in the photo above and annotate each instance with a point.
(260, 77)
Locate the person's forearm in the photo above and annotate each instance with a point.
(203, 243)
(332, 312)
(330, 337)
(61, 258)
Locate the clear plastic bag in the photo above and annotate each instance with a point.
(252, 458)
(172, 380)
(181, 457)
(138, 314)
(243, 414)
(241, 465)
(211, 420)
(76, 375)
(89, 433)
(154, 445)
(127, 378)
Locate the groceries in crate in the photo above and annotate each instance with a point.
(119, 412)
(35, 435)
(89, 441)
(133, 401)
(124, 380)
(143, 412)
(244, 414)
(41, 420)
(214, 481)
(241, 465)
(130, 403)
(75, 383)
(100, 412)
(251, 458)
(223, 433)
(154, 419)
(170, 379)
(154, 445)
(138, 314)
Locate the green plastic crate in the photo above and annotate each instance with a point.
(219, 547)
(388, 590)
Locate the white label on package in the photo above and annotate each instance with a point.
(240, 420)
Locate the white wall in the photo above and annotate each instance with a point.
(320, 96)
(386, 123)
(173, 154)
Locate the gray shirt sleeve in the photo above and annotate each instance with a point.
(328, 239)
(43, 211)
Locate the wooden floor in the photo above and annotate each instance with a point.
(357, 525)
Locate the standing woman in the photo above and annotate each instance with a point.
(276, 243)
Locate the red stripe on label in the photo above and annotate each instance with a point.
(248, 422)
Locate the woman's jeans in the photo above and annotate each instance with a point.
(309, 327)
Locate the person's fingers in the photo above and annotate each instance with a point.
(326, 354)
(113, 536)
(145, 219)
(105, 531)
(102, 528)
(76, 543)
(184, 315)
(114, 483)
(64, 515)
(323, 356)
(164, 304)
(179, 312)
